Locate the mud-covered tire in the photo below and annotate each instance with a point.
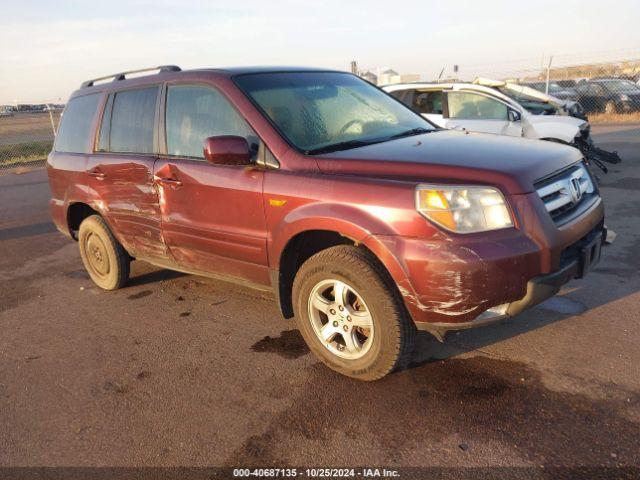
(106, 261)
(393, 330)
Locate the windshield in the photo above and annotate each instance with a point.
(616, 86)
(327, 111)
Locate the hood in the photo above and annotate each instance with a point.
(563, 120)
(453, 157)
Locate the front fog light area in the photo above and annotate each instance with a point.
(463, 209)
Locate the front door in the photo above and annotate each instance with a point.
(480, 113)
(121, 171)
(212, 215)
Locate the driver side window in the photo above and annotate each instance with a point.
(472, 106)
(194, 113)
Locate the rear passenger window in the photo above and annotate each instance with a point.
(471, 106)
(74, 134)
(197, 112)
(132, 122)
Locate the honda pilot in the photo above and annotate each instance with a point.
(365, 220)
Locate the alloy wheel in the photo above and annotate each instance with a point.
(341, 319)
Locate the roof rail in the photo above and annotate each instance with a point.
(123, 75)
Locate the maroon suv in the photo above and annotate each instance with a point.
(363, 219)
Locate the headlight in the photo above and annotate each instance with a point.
(624, 97)
(463, 209)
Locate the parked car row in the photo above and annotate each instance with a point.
(609, 95)
(599, 95)
(554, 89)
(9, 110)
(365, 219)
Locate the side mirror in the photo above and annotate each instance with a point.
(514, 116)
(227, 150)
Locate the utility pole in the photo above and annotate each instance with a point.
(546, 88)
(53, 125)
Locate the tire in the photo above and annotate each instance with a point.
(610, 107)
(106, 261)
(373, 317)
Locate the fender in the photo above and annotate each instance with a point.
(559, 128)
(355, 223)
(352, 222)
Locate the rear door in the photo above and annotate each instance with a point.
(477, 112)
(213, 219)
(121, 170)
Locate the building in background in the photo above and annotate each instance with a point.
(387, 76)
(370, 77)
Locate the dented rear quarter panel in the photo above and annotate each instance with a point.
(67, 181)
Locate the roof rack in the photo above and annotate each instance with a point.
(123, 75)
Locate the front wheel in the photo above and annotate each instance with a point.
(350, 313)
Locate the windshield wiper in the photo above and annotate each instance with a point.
(346, 145)
(412, 132)
(335, 147)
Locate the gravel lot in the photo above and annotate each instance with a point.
(183, 370)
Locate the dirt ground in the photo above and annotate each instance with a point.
(27, 127)
(179, 370)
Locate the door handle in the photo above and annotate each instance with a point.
(95, 172)
(169, 182)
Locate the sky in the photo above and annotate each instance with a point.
(47, 48)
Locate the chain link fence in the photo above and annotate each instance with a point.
(604, 92)
(27, 134)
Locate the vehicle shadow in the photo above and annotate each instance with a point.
(154, 276)
(429, 349)
(24, 231)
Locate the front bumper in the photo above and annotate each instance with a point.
(450, 281)
(579, 259)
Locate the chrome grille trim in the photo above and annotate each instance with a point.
(565, 191)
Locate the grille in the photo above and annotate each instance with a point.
(568, 193)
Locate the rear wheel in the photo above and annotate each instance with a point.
(103, 256)
(350, 313)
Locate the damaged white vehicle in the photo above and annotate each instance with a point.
(477, 108)
(534, 101)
